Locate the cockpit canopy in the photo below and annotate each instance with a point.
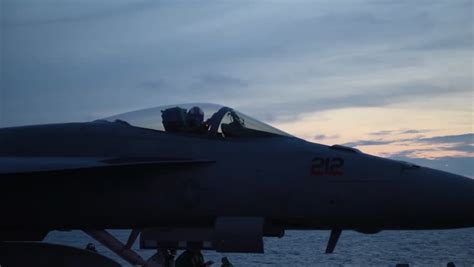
(200, 119)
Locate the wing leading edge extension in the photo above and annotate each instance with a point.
(32, 165)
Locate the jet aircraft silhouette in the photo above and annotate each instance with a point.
(221, 185)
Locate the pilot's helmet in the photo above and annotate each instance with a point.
(195, 116)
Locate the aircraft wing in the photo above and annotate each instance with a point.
(31, 165)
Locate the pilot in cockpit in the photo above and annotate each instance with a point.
(195, 121)
(179, 120)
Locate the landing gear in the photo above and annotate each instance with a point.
(333, 238)
(162, 258)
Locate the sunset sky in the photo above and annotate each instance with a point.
(392, 78)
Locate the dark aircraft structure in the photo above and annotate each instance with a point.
(208, 177)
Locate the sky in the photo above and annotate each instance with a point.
(392, 78)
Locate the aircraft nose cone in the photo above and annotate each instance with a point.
(450, 198)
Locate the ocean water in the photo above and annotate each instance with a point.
(306, 248)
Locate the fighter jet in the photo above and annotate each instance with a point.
(209, 177)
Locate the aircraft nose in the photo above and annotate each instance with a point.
(446, 199)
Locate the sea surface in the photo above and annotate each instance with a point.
(306, 248)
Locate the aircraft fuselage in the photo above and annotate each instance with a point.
(291, 183)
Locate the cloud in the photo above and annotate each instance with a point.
(409, 153)
(388, 95)
(413, 131)
(421, 147)
(458, 165)
(66, 61)
(25, 13)
(398, 132)
(155, 84)
(208, 84)
(458, 41)
(458, 139)
(468, 148)
(325, 137)
(381, 133)
(367, 143)
(217, 79)
(462, 139)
